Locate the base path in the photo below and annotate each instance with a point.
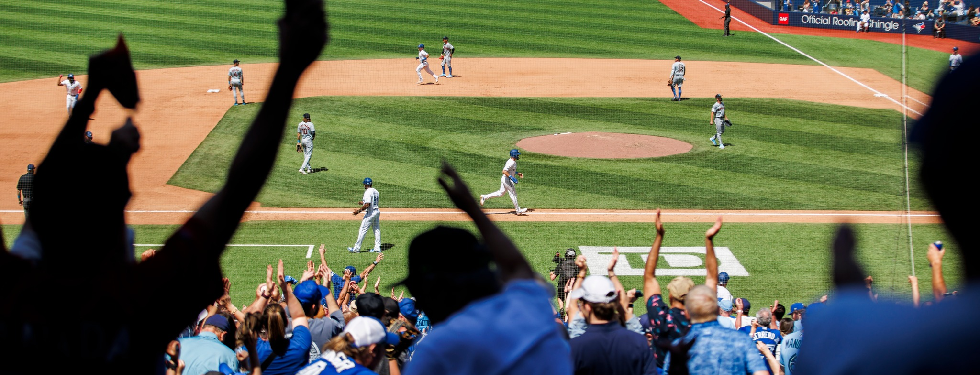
(177, 112)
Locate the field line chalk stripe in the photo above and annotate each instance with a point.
(859, 83)
(309, 248)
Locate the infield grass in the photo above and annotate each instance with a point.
(789, 262)
(50, 37)
(837, 158)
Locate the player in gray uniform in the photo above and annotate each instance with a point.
(372, 216)
(305, 132)
(236, 82)
(718, 118)
(677, 77)
(956, 59)
(447, 57)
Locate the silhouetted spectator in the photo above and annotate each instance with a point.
(514, 316)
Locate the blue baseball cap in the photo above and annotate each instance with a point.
(368, 181)
(421, 45)
(725, 304)
(218, 321)
(407, 308)
(352, 269)
(796, 306)
(30, 167)
(723, 278)
(308, 292)
(514, 153)
(745, 304)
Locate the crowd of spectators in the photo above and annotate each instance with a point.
(956, 11)
(477, 306)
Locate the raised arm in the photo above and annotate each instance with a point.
(369, 268)
(710, 260)
(510, 262)
(935, 257)
(262, 297)
(915, 290)
(650, 284)
(295, 308)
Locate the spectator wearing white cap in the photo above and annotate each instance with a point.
(607, 347)
(360, 348)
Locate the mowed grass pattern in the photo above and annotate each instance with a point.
(837, 158)
(789, 262)
(51, 37)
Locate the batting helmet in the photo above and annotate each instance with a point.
(306, 116)
(368, 181)
(717, 96)
(30, 167)
(956, 48)
(445, 38)
(71, 76)
(421, 45)
(88, 134)
(235, 62)
(515, 154)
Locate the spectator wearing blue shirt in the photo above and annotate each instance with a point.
(206, 351)
(716, 350)
(487, 320)
(278, 354)
(607, 347)
(761, 332)
(338, 280)
(360, 348)
(797, 310)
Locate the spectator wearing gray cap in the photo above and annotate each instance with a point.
(25, 189)
(607, 347)
(206, 351)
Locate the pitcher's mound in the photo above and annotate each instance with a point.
(599, 145)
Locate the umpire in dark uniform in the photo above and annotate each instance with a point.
(25, 189)
(727, 16)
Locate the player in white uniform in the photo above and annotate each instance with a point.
(236, 82)
(507, 181)
(956, 59)
(369, 204)
(677, 77)
(447, 57)
(423, 59)
(865, 21)
(74, 88)
(718, 118)
(305, 133)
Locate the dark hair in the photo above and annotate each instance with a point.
(779, 312)
(786, 325)
(253, 324)
(274, 323)
(604, 311)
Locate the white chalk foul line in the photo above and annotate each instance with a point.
(309, 248)
(578, 213)
(859, 83)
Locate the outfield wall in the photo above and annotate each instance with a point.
(849, 23)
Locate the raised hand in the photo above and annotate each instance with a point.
(348, 274)
(569, 285)
(302, 33)
(612, 262)
(280, 274)
(714, 229)
(581, 263)
(659, 225)
(379, 257)
(377, 284)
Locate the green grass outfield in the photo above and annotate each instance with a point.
(789, 262)
(833, 157)
(49, 37)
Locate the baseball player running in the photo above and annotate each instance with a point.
(507, 181)
(677, 77)
(305, 133)
(74, 88)
(369, 205)
(423, 59)
(447, 57)
(718, 118)
(236, 82)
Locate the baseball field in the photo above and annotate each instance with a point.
(818, 136)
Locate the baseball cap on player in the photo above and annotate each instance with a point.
(421, 45)
(306, 115)
(235, 62)
(677, 57)
(723, 278)
(956, 48)
(515, 154)
(717, 95)
(368, 181)
(71, 76)
(445, 38)
(30, 167)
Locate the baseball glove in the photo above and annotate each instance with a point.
(670, 82)
(299, 147)
(442, 57)
(728, 123)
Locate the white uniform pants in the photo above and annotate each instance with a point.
(418, 70)
(70, 102)
(370, 219)
(236, 87)
(307, 153)
(508, 186)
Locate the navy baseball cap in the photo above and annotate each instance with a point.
(421, 45)
(445, 38)
(407, 308)
(956, 48)
(218, 321)
(71, 75)
(30, 167)
(236, 61)
(352, 269)
(308, 292)
(88, 134)
(745, 304)
(723, 278)
(677, 57)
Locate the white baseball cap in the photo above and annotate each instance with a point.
(367, 331)
(595, 289)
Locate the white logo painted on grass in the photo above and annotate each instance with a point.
(680, 261)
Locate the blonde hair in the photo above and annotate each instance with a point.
(678, 288)
(274, 321)
(344, 343)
